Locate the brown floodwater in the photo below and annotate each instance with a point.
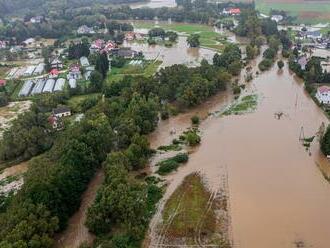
(279, 196)
(154, 4)
(179, 53)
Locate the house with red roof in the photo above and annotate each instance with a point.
(3, 82)
(231, 11)
(54, 73)
(323, 95)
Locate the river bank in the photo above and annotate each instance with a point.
(273, 180)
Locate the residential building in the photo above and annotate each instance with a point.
(3, 44)
(3, 82)
(74, 72)
(302, 61)
(323, 95)
(62, 111)
(84, 29)
(28, 42)
(125, 52)
(231, 11)
(313, 34)
(37, 19)
(56, 64)
(277, 18)
(84, 61)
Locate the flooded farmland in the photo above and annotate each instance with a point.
(279, 197)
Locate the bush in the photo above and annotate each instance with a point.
(192, 138)
(171, 164)
(167, 166)
(195, 120)
(265, 64)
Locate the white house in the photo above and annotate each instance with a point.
(85, 30)
(277, 18)
(62, 111)
(323, 94)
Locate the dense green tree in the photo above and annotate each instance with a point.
(96, 81)
(193, 40)
(102, 64)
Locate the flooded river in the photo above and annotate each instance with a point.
(278, 195)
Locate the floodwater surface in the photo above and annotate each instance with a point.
(279, 197)
(154, 4)
(179, 53)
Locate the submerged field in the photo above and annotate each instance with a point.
(308, 11)
(194, 216)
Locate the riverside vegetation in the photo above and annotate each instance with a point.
(110, 135)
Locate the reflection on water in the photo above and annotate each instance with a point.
(179, 53)
(278, 196)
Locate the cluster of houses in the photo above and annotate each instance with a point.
(100, 46)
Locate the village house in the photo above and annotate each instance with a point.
(100, 45)
(84, 61)
(56, 64)
(37, 19)
(277, 18)
(53, 73)
(125, 52)
(74, 72)
(84, 29)
(61, 111)
(3, 44)
(56, 119)
(314, 35)
(302, 61)
(323, 95)
(231, 11)
(28, 42)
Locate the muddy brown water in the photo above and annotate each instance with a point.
(154, 4)
(279, 196)
(179, 53)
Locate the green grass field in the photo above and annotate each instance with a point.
(208, 37)
(147, 70)
(307, 12)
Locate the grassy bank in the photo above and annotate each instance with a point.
(208, 37)
(243, 105)
(190, 215)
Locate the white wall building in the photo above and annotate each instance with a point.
(323, 94)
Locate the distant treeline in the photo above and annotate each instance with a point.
(8, 7)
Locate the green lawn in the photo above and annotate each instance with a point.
(74, 102)
(147, 70)
(208, 37)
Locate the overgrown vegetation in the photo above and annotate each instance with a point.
(243, 105)
(168, 165)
